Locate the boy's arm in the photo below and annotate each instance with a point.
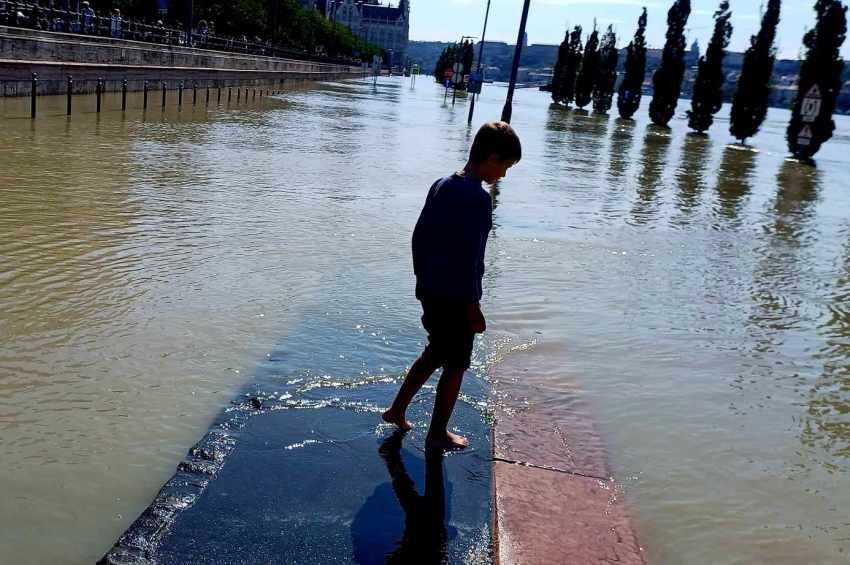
(475, 232)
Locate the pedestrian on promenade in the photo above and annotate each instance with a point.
(88, 18)
(116, 24)
(448, 260)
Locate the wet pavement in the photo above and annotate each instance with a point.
(300, 469)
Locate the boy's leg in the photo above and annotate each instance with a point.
(419, 372)
(439, 437)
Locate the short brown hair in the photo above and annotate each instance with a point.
(496, 139)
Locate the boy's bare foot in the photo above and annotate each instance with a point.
(447, 441)
(392, 417)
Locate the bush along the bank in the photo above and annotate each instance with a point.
(587, 74)
(606, 73)
(707, 98)
(631, 87)
(558, 71)
(667, 80)
(820, 81)
(749, 104)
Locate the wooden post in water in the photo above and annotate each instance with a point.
(124, 95)
(180, 94)
(33, 95)
(98, 90)
(208, 95)
(194, 93)
(229, 95)
(163, 94)
(145, 96)
(238, 95)
(70, 92)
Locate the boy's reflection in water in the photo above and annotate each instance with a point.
(424, 538)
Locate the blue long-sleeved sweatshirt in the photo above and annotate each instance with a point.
(450, 238)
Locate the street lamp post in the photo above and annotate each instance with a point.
(508, 110)
(480, 60)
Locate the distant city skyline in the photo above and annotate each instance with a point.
(447, 20)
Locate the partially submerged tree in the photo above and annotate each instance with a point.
(667, 80)
(749, 105)
(707, 98)
(606, 73)
(571, 66)
(445, 62)
(631, 88)
(587, 74)
(820, 81)
(558, 72)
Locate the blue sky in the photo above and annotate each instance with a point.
(447, 20)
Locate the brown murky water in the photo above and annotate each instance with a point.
(696, 295)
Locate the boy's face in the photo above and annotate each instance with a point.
(494, 169)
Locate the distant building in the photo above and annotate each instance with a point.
(385, 26)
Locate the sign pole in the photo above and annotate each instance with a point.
(480, 58)
(508, 110)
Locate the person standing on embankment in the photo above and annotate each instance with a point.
(448, 259)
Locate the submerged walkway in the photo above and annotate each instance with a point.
(301, 470)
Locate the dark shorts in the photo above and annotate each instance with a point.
(449, 335)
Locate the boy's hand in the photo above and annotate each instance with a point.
(476, 319)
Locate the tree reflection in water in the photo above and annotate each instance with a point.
(734, 180)
(656, 144)
(691, 175)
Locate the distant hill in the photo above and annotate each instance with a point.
(537, 62)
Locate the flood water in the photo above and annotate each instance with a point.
(695, 294)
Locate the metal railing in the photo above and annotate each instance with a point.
(65, 16)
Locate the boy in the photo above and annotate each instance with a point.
(448, 260)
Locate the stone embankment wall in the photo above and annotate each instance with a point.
(56, 56)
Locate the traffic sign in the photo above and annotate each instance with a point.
(804, 139)
(475, 81)
(811, 106)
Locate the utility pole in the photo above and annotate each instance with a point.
(480, 60)
(508, 110)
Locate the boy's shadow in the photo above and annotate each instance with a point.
(382, 534)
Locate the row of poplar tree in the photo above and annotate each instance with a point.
(588, 73)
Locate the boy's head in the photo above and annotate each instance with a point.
(496, 149)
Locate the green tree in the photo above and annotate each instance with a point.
(749, 104)
(558, 72)
(667, 80)
(820, 81)
(708, 87)
(587, 74)
(571, 67)
(631, 87)
(606, 73)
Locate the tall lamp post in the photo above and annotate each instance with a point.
(508, 110)
(480, 60)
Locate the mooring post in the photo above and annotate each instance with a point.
(163, 93)
(208, 94)
(145, 96)
(124, 95)
(253, 96)
(33, 94)
(238, 95)
(70, 92)
(229, 94)
(180, 94)
(98, 89)
(194, 93)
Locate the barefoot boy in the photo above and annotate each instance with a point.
(448, 259)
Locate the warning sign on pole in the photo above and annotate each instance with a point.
(805, 136)
(811, 106)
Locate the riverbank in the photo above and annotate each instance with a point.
(55, 57)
